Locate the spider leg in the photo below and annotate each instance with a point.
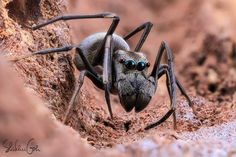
(88, 66)
(107, 73)
(46, 51)
(110, 31)
(146, 27)
(183, 92)
(74, 17)
(96, 80)
(171, 79)
(163, 70)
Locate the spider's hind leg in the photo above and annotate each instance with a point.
(184, 93)
(164, 70)
(172, 82)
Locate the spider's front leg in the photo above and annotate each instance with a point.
(157, 72)
(95, 79)
(107, 72)
(91, 73)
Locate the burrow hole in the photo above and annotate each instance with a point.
(24, 12)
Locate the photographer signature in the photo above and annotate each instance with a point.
(14, 146)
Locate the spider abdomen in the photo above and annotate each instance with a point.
(91, 44)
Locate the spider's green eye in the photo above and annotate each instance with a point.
(130, 64)
(141, 65)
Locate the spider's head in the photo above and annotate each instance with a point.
(134, 87)
(128, 61)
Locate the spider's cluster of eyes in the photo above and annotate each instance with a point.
(131, 64)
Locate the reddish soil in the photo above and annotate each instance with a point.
(202, 38)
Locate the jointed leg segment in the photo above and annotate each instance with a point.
(74, 17)
(164, 70)
(146, 27)
(46, 51)
(171, 79)
(78, 86)
(107, 74)
(110, 31)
